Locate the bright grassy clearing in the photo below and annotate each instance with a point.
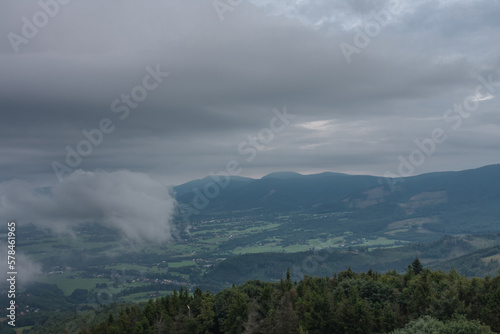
(296, 248)
(129, 266)
(142, 296)
(256, 249)
(381, 241)
(68, 285)
(181, 264)
(254, 229)
(82, 244)
(55, 246)
(215, 240)
(330, 242)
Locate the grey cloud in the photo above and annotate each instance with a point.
(225, 78)
(28, 269)
(132, 203)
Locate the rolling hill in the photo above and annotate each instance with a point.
(445, 202)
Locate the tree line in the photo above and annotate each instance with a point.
(419, 300)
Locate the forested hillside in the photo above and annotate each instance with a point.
(463, 202)
(419, 300)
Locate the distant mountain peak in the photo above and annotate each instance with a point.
(282, 175)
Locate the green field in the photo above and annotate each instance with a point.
(68, 285)
(87, 259)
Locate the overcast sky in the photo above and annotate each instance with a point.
(359, 102)
(104, 103)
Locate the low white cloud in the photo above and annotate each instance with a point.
(136, 205)
(26, 269)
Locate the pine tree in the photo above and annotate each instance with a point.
(417, 266)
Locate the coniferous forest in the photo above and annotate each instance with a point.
(418, 301)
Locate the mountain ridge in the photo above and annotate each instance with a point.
(289, 190)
